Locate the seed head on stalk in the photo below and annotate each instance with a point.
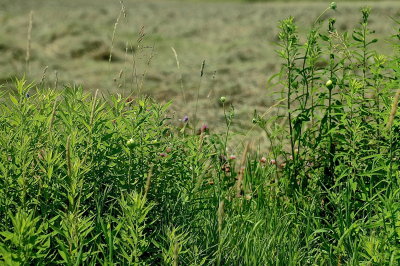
(329, 84)
(130, 143)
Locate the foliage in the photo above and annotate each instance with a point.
(101, 179)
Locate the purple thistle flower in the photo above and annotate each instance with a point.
(204, 128)
(185, 119)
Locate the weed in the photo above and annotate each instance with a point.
(105, 179)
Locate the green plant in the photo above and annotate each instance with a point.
(102, 179)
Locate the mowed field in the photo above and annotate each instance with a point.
(70, 43)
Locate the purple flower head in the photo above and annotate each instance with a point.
(204, 128)
(185, 119)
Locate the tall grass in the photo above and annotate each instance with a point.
(101, 179)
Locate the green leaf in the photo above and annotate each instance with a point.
(373, 41)
(324, 37)
(356, 38)
(8, 235)
(14, 100)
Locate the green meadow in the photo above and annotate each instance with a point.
(199, 133)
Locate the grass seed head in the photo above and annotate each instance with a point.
(129, 100)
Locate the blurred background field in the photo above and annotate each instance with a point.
(70, 43)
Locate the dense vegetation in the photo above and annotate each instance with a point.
(236, 39)
(104, 179)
